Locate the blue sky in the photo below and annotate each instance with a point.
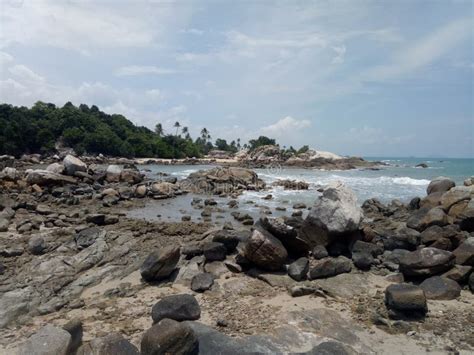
(372, 78)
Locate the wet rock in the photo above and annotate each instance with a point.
(406, 300)
(299, 206)
(36, 245)
(298, 270)
(111, 344)
(169, 337)
(426, 262)
(440, 184)
(176, 307)
(202, 282)
(334, 215)
(88, 236)
(319, 252)
(48, 340)
(329, 267)
(214, 251)
(465, 252)
(332, 348)
(440, 288)
(73, 165)
(160, 264)
(265, 251)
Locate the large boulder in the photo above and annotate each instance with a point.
(464, 253)
(176, 307)
(298, 270)
(440, 288)
(332, 348)
(10, 174)
(112, 174)
(47, 178)
(455, 195)
(111, 344)
(426, 262)
(265, 251)
(160, 264)
(405, 300)
(56, 168)
(48, 340)
(287, 234)
(329, 267)
(335, 214)
(440, 184)
(73, 165)
(169, 337)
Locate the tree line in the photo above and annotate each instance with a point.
(42, 127)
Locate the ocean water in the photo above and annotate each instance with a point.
(400, 179)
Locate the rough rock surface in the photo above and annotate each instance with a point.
(160, 264)
(426, 262)
(177, 307)
(440, 288)
(265, 250)
(408, 299)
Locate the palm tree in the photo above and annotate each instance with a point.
(204, 134)
(159, 129)
(185, 130)
(238, 143)
(177, 125)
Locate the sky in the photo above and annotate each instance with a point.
(356, 77)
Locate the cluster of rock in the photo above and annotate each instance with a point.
(222, 181)
(291, 184)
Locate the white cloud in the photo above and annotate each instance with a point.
(340, 53)
(285, 126)
(132, 70)
(193, 31)
(423, 52)
(24, 73)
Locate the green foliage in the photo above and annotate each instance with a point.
(262, 140)
(303, 149)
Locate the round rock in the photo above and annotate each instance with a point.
(177, 307)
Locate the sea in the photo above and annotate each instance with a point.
(399, 179)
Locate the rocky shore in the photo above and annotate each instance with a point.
(77, 276)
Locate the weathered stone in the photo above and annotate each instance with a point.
(440, 288)
(332, 348)
(440, 184)
(169, 337)
(47, 178)
(409, 300)
(47, 341)
(176, 307)
(363, 260)
(265, 251)
(458, 273)
(365, 247)
(229, 238)
(319, 252)
(88, 236)
(334, 214)
(160, 264)
(214, 251)
(140, 191)
(401, 238)
(329, 267)
(74, 327)
(455, 195)
(111, 344)
(73, 165)
(426, 262)
(56, 168)
(4, 223)
(202, 282)
(464, 253)
(286, 234)
(36, 245)
(298, 270)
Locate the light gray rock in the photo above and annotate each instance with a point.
(335, 213)
(73, 165)
(112, 174)
(48, 340)
(440, 184)
(56, 168)
(47, 178)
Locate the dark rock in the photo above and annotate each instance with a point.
(74, 327)
(403, 238)
(406, 300)
(111, 344)
(332, 348)
(421, 165)
(160, 264)
(432, 234)
(319, 252)
(298, 270)
(365, 247)
(214, 251)
(471, 282)
(98, 219)
(88, 236)
(286, 234)
(414, 203)
(229, 238)
(202, 282)
(363, 260)
(177, 307)
(440, 184)
(426, 262)
(265, 251)
(329, 267)
(169, 337)
(465, 252)
(191, 250)
(391, 259)
(440, 288)
(458, 273)
(299, 206)
(36, 245)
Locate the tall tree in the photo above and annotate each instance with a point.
(177, 125)
(159, 129)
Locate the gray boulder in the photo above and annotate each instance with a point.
(4, 223)
(332, 348)
(111, 344)
(36, 245)
(406, 300)
(48, 340)
(329, 267)
(471, 282)
(56, 168)
(426, 262)
(176, 307)
(47, 178)
(440, 288)
(202, 282)
(440, 184)
(160, 264)
(214, 251)
(464, 253)
(73, 165)
(265, 251)
(286, 234)
(86, 237)
(336, 213)
(169, 337)
(298, 270)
